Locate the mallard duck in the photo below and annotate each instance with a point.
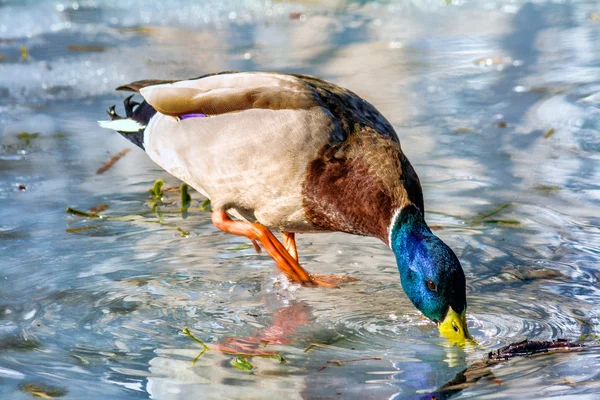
(297, 154)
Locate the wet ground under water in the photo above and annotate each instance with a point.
(497, 105)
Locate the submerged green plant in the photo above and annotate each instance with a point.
(156, 191)
(155, 200)
(186, 199)
(187, 332)
(126, 218)
(241, 361)
(28, 137)
(205, 204)
(496, 210)
(484, 217)
(278, 357)
(242, 364)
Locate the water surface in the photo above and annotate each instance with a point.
(497, 105)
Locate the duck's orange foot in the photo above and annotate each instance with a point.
(330, 281)
(285, 255)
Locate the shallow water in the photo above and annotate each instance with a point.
(471, 88)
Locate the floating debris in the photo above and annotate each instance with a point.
(126, 218)
(531, 347)
(549, 133)
(112, 161)
(483, 368)
(99, 208)
(588, 336)
(313, 345)
(501, 124)
(86, 48)
(547, 188)
(525, 274)
(464, 129)
(493, 212)
(43, 391)
(21, 187)
(24, 53)
(322, 343)
(18, 343)
(80, 359)
(502, 221)
(140, 30)
(482, 218)
(587, 383)
(339, 363)
(82, 229)
(28, 137)
(240, 247)
(2, 56)
(82, 213)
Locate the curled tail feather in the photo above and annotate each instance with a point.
(137, 117)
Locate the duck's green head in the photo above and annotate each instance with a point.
(430, 273)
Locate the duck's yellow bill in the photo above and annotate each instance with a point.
(454, 328)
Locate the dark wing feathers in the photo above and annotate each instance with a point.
(137, 85)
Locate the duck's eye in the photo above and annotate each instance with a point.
(431, 285)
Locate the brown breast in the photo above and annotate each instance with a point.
(356, 184)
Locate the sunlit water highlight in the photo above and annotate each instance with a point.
(472, 89)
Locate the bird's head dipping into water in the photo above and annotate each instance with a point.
(430, 273)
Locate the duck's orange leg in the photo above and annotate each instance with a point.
(282, 255)
(257, 232)
(289, 242)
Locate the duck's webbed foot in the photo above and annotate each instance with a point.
(331, 281)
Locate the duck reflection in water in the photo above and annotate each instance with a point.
(285, 323)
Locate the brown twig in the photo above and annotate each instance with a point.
(112, 161)
(99, 208)
(339, 363)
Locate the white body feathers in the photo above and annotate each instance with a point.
(251, 162)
